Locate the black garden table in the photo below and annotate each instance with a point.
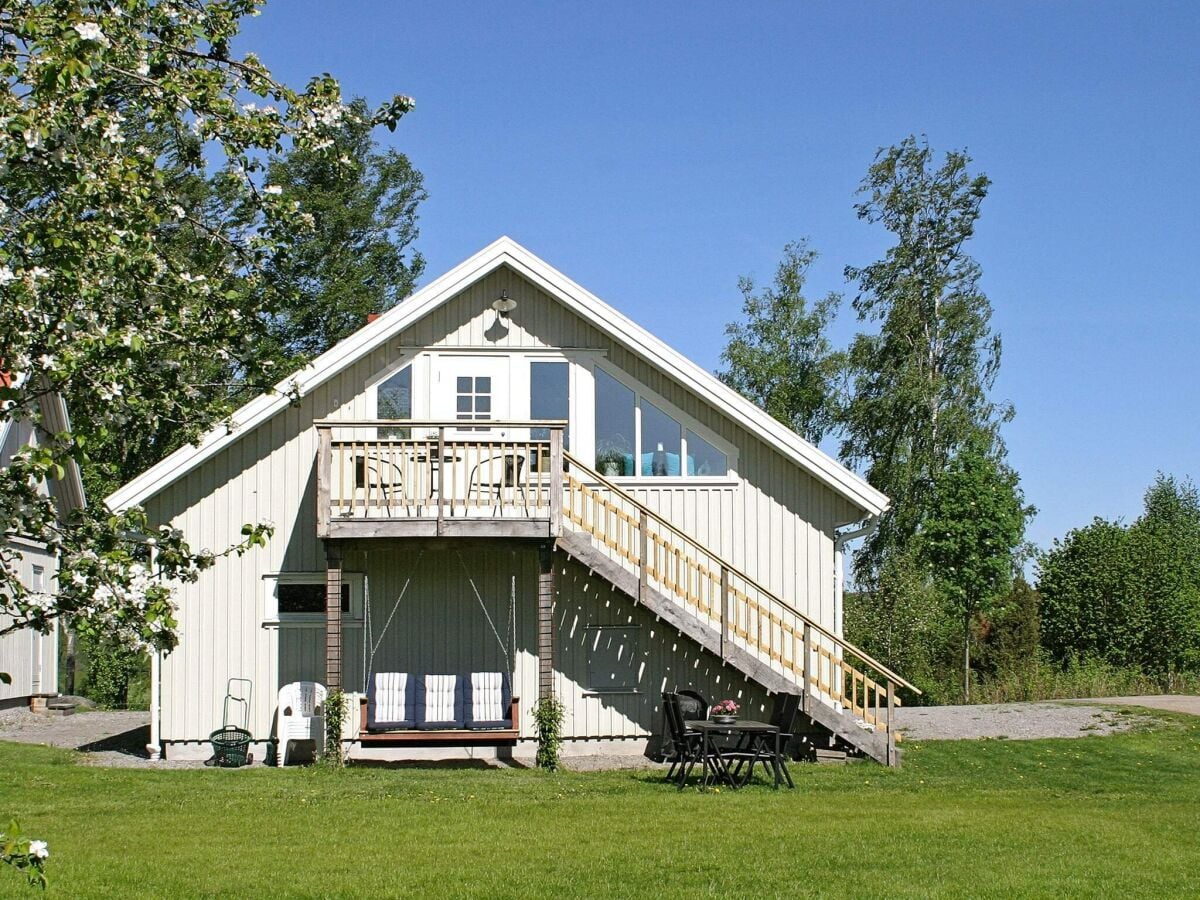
(757, 742)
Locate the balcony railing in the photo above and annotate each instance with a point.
(438, 474)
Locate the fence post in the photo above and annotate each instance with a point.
(644, 560)
(556, 480)
(724, 604)
(807, 667)
(441, 485)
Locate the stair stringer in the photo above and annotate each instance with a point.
(579, 546)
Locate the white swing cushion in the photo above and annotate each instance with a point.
(440, 702)
(490, 702)
(391, 701)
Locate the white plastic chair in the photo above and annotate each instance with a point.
(301, 717)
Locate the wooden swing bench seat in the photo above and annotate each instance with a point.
(401, 708)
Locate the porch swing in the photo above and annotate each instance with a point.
(462, 708)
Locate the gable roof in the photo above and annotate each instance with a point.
(67, 491)
(582, 302)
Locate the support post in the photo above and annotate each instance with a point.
(333, 616)
(891, 735)
(545, 620)
(556, 480)
(324, 465)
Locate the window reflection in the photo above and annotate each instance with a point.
(614, 426)
(393, 400)
(703, 458)
(660, 442)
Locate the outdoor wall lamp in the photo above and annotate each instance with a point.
(504, 304)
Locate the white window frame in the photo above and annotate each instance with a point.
(687, 423)
(272, 615)
(371, 391)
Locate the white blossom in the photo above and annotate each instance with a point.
(6, 276)
(90, 31)
(273, 189)
(39, 849)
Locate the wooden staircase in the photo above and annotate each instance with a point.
(728, 613)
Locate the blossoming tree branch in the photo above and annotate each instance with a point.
(114, 277)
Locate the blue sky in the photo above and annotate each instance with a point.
(656, 152)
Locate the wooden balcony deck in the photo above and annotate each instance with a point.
(400, 479)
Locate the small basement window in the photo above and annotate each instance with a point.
(613, 658)
(307, 598)
(300, 597)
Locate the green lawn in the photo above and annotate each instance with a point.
(1108, 816)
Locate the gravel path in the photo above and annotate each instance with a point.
(1018, 721)
(119, 738)
(106, 738)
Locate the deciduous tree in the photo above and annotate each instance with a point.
(355, 258)
(975, 523)
(97, 303)
(780, 356)
(921, 382)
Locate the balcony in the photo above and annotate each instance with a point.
(387, 479)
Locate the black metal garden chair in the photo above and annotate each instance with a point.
(686, 745)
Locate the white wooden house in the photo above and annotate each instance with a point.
(613, 522)
(28, 657)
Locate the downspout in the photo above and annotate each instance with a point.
(839, 574)
(154, 748)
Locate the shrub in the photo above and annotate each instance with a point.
(335, 718)
(548, 713)
(110, 669)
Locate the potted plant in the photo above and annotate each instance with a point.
(725, 712)
(611, 456)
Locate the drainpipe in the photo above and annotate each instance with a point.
(154, 748)
(839, 574)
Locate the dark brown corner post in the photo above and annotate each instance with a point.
(546, 620)
(333, 616)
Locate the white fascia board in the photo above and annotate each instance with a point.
(658, 354)
(581, 301)
(320, 370)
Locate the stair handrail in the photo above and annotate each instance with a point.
(665, 523)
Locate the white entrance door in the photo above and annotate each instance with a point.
(468, 388)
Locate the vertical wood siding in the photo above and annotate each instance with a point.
(774, 521)
(665, 661)
(28, 657)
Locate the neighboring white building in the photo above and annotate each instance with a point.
(623, 524)
(28, 657)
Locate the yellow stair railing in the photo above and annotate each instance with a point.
(723, 597)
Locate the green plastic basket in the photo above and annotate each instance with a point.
(231, 747)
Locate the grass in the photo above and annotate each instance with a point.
(1094, 816)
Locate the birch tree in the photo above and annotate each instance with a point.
(921, 382)
(780, 357)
